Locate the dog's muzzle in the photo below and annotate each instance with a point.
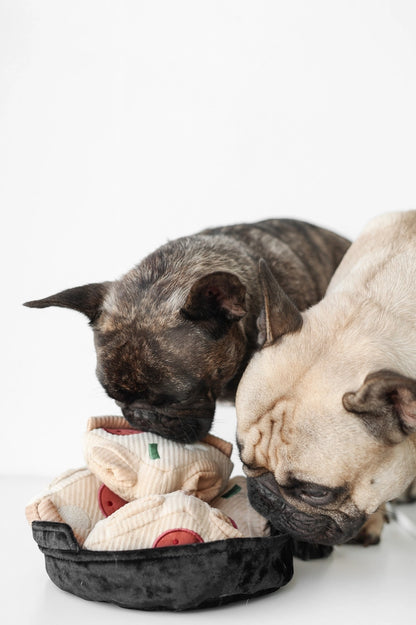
(183, 425)
(265, 497)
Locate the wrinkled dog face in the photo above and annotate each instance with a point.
(319, 461)
(166, 349)
(165, 378)
(154, 389)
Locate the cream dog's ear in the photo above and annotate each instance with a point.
(115, 466)
(386, 402)
(279, 315)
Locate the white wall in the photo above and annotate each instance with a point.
(127, 123)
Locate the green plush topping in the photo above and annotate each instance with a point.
(153, 452)
(233, 491)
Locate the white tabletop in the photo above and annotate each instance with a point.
(354, 585)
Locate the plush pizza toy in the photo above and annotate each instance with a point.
(140, 490)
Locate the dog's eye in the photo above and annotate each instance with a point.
(316, 495)
(311, 493)
(122, 394)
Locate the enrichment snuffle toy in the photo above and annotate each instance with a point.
(150, 523)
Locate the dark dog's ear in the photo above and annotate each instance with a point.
(216, 296)
(387, 404)
(279, 315)
(86, 299)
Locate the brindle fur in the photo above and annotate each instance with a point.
(176, 332)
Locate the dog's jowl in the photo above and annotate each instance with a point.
(326, 410)
(176, 332)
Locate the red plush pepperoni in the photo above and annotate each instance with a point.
(108, 501)
(179, 536)
(122, 431)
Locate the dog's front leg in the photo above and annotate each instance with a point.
(370, 533)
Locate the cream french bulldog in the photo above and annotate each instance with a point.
(327, 408)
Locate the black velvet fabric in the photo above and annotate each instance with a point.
(169, 578)
(265, 503)
(310, 551)
(306, 551)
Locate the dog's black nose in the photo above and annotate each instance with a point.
(176, 427)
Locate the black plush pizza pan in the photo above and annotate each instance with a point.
(169, 578)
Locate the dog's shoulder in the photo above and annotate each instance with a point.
(401, 223)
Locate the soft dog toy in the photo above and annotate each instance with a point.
(135, 464)
(72, 498)
(141, 490)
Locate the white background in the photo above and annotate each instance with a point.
(124, 124)
(127, 123)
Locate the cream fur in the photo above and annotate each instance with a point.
(289, 402)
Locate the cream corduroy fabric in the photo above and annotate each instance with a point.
(144, 522)
(235, 504)
(168, 483)
(71, 498)
(140, 464)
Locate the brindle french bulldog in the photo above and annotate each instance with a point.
(176, 332)
(326, 411)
